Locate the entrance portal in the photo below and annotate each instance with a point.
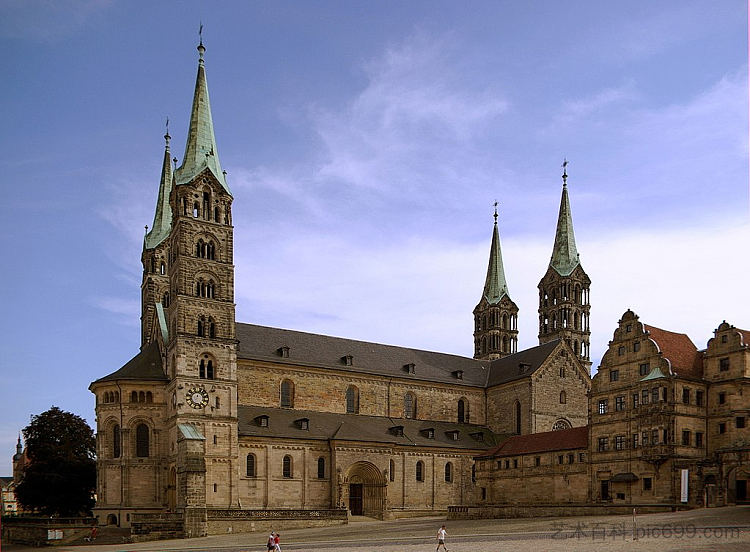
(740, 494)
(366, 487)
(355, 498)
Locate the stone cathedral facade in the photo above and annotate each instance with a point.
(214, 418)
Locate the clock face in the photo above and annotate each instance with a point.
(197, 397)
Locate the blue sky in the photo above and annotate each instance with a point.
(365, 143)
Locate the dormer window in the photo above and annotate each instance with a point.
(283, 352)
(303, 423)
(429, 433)
(452, 435)
(411, 368)
(477, 436)
(458, 374)
(262, 420)
(348, 360)
(522, 367)
(398, 431)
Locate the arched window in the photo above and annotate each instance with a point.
(484, 345)
(116, 441)
(287, 394)
(420, 471)
(134, 396)
(518, 417)
(206, 206)
(352, 400)
(162, 268)
(165, 300)
(211, 251)
(217, 403)
(561, 424)
(201, 327)
(321, 468)
(448, 472)
(391, 470)
(206, 368)
(505, 343)
(141, 397)
(410, 405)
(196, 209)
(141, 441)
(463, 411)
(211, 327)
(250, 465)
(199, 249)
(149, 397)
(286, 467)
(217, 214)
(563, 397)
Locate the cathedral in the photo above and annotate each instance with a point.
(215, 423)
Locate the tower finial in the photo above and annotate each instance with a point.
(495, 215)
(565, 172)
(201, 47)
(167, 137)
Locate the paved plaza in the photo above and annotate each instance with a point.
(708, 530)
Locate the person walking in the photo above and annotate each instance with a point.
(441, 538)
(271, 544)
(276, 541)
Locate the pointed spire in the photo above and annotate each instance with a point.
(200, 149)
(564, 253)
(163, 217)
(495, 286)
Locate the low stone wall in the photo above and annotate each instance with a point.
(221, 522)
(399, 513)
(38, 531)
(149, 527)
(500, 511)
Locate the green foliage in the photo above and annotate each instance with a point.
(60, 476)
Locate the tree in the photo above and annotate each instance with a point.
(60, 474)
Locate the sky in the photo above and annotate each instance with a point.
(365, 143)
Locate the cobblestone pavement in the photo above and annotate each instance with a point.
(709, 530)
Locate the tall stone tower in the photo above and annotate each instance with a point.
(192, 242)
(564, 290)
(496, 315)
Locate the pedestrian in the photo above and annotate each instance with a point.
(271, 544)
(276, 545)
(441, 538)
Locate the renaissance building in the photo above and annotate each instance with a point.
(214, 419)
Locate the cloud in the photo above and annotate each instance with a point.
(48, 20)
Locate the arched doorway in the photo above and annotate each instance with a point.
(364, 486)
(111, 519)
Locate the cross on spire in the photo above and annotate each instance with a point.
(565, 172)
(495, 215)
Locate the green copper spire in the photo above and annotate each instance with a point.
(200, 150)
(495, 286)
(163, 216)
(564, 253)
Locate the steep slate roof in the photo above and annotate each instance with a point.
(282, 424)
(564, 253)
(509, 368)
(322, 351)
(682, 353)
(495, 285)
(163, 216)
(564, 439)
(200, 149)
(146, 365)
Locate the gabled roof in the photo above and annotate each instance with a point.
(521, 364)
(282, 423)
(322, 351)
(681, 352)
(564, 439)
(146, 365)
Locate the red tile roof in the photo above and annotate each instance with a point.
(682, 353)
(564, 439)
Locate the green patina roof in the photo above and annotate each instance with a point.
(163, 217)
(190, 432)
(200, 150)
(495, 286)
(655, 373)
(564, 253)
(161, 315)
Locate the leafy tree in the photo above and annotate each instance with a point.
(60, 474)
